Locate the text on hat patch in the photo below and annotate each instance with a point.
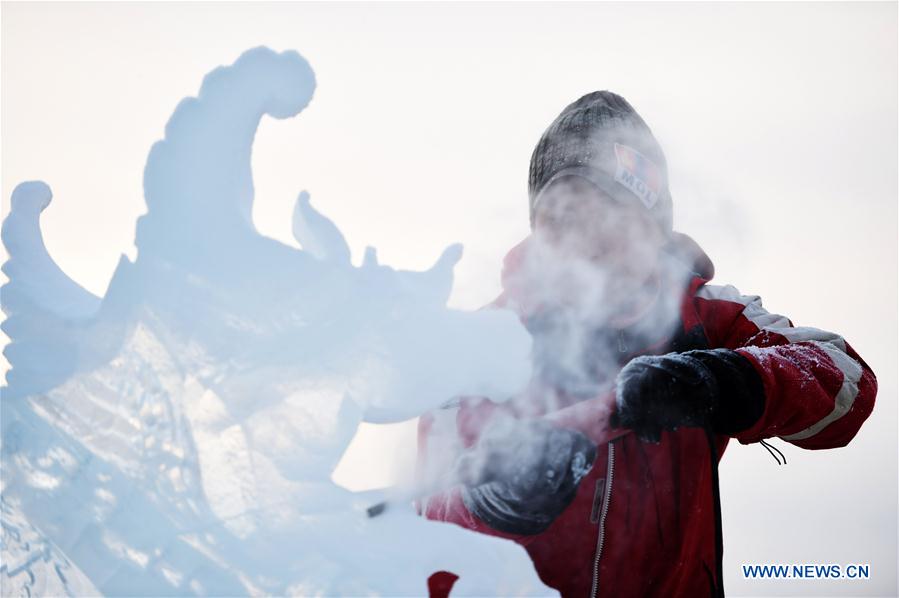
(638, 174)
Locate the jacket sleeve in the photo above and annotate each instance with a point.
(439, 436)
(818, 391)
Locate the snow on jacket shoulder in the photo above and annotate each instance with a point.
(648, 508)
(818, 391)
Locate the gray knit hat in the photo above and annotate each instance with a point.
(601, 138)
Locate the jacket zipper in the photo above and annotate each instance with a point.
(602, 520)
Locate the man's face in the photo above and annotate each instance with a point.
(575, 220)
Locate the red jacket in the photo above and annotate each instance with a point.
(643, 522)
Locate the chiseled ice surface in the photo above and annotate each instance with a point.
(32, 565)
(177, 435)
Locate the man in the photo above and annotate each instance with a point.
(605, 468)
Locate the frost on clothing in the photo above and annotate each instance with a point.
(642, 521)
(818, 389)
(177, 435)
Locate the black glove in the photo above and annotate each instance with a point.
(523, 473)
(719, 389)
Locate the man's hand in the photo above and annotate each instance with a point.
(523, 473)
(718, 388)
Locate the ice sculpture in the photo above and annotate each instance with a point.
(177, 435)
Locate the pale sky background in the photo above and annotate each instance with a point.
(779, 122)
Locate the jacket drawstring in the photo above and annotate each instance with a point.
(771, 449)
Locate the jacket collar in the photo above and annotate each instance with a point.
(682, 253)
(685, 262)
